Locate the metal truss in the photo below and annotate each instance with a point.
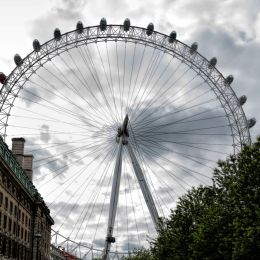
(122, 139)
(81, 250)
(216, 81)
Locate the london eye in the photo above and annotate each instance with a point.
(121, 120)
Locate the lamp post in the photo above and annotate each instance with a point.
(37, 236)
(62, 249)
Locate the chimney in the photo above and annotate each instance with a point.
(27, 165)
(25, 160)
(18, 149)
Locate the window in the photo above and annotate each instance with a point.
(0, 219)
(19, 214)
(6, 203)
(4, 180)
(5, 221)
(26, 220)
(10, 225)
(15, 211)
(14, 228)
(22, 217)
(14, 191)
(1, 198)
(18, 231)
(11, 207)
(22, 233)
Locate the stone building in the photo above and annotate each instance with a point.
(25, 221)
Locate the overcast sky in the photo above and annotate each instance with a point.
(228, 30)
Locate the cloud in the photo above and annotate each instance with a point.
(69, 9)
(30, 96)
(45, 135)
(228, 30)
(63, 14)
(237, 58)
(168, 120)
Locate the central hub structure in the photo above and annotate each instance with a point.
(123, 132)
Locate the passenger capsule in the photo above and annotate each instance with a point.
(57, 34)
(18, 60)
(36, 45)
(79, 27)
(251, 122)
(229, 79)
(127, 24)
(213, 62)
(150, 29)
(242, 100)
(172, 37)
(103, 24)
(2, 77)
(193, 47)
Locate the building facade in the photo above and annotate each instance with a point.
(25, 221)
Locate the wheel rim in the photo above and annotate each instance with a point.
(157, 85)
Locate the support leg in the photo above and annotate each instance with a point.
(144, 187)
(114, 200)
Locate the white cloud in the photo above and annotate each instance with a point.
(228, 30)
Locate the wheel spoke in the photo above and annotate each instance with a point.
(69, 100)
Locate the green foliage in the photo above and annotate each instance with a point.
(221, 221)
(140, 255)
(238, 180)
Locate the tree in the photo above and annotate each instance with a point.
(140, 255)
(238, 180)
(221, 221)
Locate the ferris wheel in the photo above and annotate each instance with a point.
(121, 121)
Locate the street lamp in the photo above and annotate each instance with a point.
(37, 236)
(62, 250)
(64, 254)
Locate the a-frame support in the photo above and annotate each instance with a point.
(122, 139)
